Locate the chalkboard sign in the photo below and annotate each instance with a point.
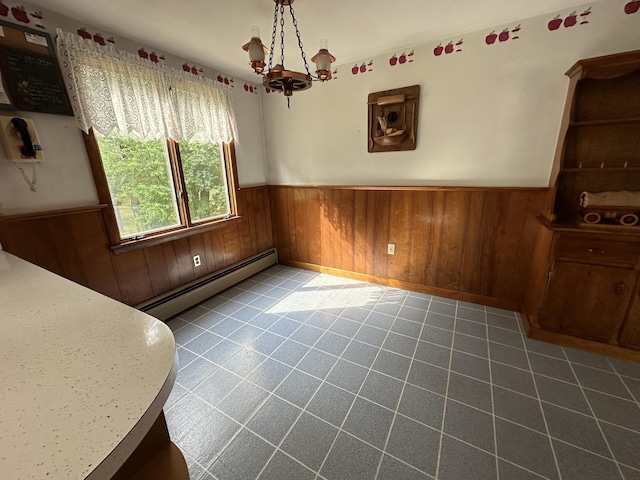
(30, 74)
(34, 83)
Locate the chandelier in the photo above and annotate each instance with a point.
(277, 77)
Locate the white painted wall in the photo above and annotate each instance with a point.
(65, 180)
(489, 115)
(250, 150)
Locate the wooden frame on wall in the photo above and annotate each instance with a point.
(393, 119)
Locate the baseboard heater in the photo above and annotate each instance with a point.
(171, 303)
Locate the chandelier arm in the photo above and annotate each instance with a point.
(273, 36)
(295, 24)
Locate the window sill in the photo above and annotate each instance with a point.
(160, 238)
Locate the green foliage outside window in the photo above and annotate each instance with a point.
(141, 183)
(204, 176)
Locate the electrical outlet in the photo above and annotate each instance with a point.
(391, 249)
(196, 261)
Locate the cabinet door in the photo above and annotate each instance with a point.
(630, 333)
(588, 301)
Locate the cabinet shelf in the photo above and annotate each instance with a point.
(604, 122)
(599, 169)
(587, 228)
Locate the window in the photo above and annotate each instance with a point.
(160, 142)
(161, 189)
(146, 179)
(205, 180)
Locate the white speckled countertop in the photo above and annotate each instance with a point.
(82, 376)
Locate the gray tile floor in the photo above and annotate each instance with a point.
(298, 375)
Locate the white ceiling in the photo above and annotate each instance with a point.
(211, 32)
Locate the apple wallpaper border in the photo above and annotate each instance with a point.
(399, 59)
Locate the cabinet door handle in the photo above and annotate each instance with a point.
(596, 250)
(620, 288)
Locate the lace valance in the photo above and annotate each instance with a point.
(112, 90)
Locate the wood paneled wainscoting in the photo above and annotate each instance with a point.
(73, 243)
(473, 244)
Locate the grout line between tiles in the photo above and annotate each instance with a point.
(270, 394)
(304, 409)
(493, 407)
(417, 386)
(186, 454)
(243, 425)
(523, 468)
(612, 459)
(559, 440)
(446, 399)
(606, 441)
(420, 339)
(414, 385)
(404, 385)
(473, 407)
(544, 416)
(341, 427)
(637, 399)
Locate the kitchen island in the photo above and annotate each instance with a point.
(83, 379)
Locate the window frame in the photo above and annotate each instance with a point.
(187, 226)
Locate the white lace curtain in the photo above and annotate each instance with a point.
(112, 90)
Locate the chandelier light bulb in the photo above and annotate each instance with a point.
(256, 51)
(323, 60)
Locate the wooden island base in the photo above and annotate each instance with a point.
(156, 457)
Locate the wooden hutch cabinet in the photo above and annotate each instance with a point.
(585, 276)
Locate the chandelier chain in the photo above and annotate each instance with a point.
(295, 24)
(282, 36)
(277, 77)
(273, 36)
